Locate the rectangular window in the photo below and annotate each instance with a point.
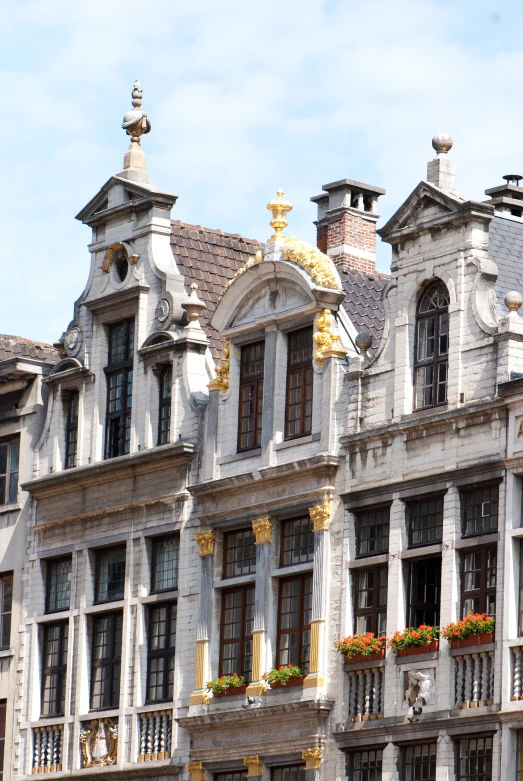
(54, 668)
(166, 554)
(251, 396)
(164, 413)
(475, 759)
(161, 647)
(294, 618)
(3, 710)
(478, 581)
(479, 510)
(106, 661)
(71, 430)
(370, 600)
(58, 591)
(297, 544)
(6, 606)
(110, 574)
(236, 632)
(119, 389)
(425, 521)
(372, 531)
(365, 765)
(288, 773)
(239, 553)
(234, 775)
(519, 771)
(298, 406)
(9, 458)
(425, 579)
(419, 762)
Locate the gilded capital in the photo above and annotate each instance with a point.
(320, 516)
(254, 766)
(326, 339)
(197, 771)
(312, 757)
(206, 542)
(263, 530)
(221, 381)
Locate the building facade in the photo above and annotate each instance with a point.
(243, 453)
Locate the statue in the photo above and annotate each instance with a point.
(420, 688)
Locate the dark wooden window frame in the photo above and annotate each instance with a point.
(377, 766)
(437, 359)
(244, 637)
(418, 605)
(256, 396)
(119, 446)
(430, 760)
(484, 590)
(227, 547)
(3, 720)
(6, 609)
(375, 609)
(156, 542)
(410, 513)
(112, 662)
(302, 627)
(231, 775)
(358, 518)
(457, 757)
(55, 563)
(301, 775)
(164, 404)
(9, 493)
(59, 670)
(468, 491)
(303, 368)
(98, 556)
(309, 546)
(167, 653)
(71, 429)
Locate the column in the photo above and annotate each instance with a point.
(312, 757)
(449, 600)
(320, 517)
(205, 540)
(270, 375)
(263, 532)
(390, 763)
(254, 766)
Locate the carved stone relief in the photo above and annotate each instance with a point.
(420, 688)
(99, 742)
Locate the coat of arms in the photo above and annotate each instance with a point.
(99, 741)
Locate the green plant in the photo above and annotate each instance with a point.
(225, 682)
(366, 645)
(412, 637)
(473, 624)
(282, 674)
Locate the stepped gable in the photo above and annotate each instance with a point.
(210, 258)
(18, 347)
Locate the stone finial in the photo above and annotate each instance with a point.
(136, 123)
(363, 341)
(513, 301)
(442, 170)
(194, 307)
(279, 208)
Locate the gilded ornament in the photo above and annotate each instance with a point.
(263, 530)
(279, 208)
(320, 516)
(206, 542)
(312, 758)
(221, 381)
(197, 771)
(99, 742)
(254, 766)
(257, 258)
(326, 339)
(319, 266)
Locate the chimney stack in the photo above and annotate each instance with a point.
(507, 199)
(346, 224)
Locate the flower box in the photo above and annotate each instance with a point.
(414, 650)
(468, 642)
(359, 658)
(232, 690)
(291, 682)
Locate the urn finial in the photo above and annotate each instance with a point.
(136, 123)
(279, 208)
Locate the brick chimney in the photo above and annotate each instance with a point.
(346, 224)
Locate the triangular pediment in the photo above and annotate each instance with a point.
(426, 205)
(134, 191)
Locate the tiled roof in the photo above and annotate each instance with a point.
(506, 250)
(18, 347)
(210, 258)
(363, 302)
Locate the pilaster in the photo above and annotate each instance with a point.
(269, 389)
(206, 541)
(320, 516)
(262, 528)
(395, 596)
(312, 757)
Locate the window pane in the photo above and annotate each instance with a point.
(425, 592)
(59, 584)
(111, 574)
(240, 553)
(425, 519)
(6, 603)
(432, 344)
(419, 762)
(365, 765)
(289, 773)
(165, 557)
(480, 510)
(298, 542)
(372, 531)
(475, 759)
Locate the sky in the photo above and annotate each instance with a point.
(244, 97)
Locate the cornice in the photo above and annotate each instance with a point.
(118, 297)
(110, 469)
(322, 707)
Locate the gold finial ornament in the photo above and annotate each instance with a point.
(221, 381)
(326, 339)
(279, 208)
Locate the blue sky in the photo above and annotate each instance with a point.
(243, 98)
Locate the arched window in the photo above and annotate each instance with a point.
(432, 345)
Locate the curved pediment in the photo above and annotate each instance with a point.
(269, 298)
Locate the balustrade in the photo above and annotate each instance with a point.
(47, 748)
(474, 682)
(366, 694)
(155, 735)
(517, 688)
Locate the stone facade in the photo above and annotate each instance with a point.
(270, 483)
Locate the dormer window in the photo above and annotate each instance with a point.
(164, 411)
(71, 431)
(119, 389)
(251, 396)
(432, 346)
(298, 407)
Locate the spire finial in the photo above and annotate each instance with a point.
(136, 123)
(279, 208)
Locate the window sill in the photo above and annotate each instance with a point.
(480, 539)
(416, 659)
(60, 615)
(11, 507)
(240, 580)
(109, 713)
(5, 653)
(369, 561)
(256, 451)
(294, 569)
(422, 552)
(105, 607)
(161, 596)
(298, 441)
(473, 649)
